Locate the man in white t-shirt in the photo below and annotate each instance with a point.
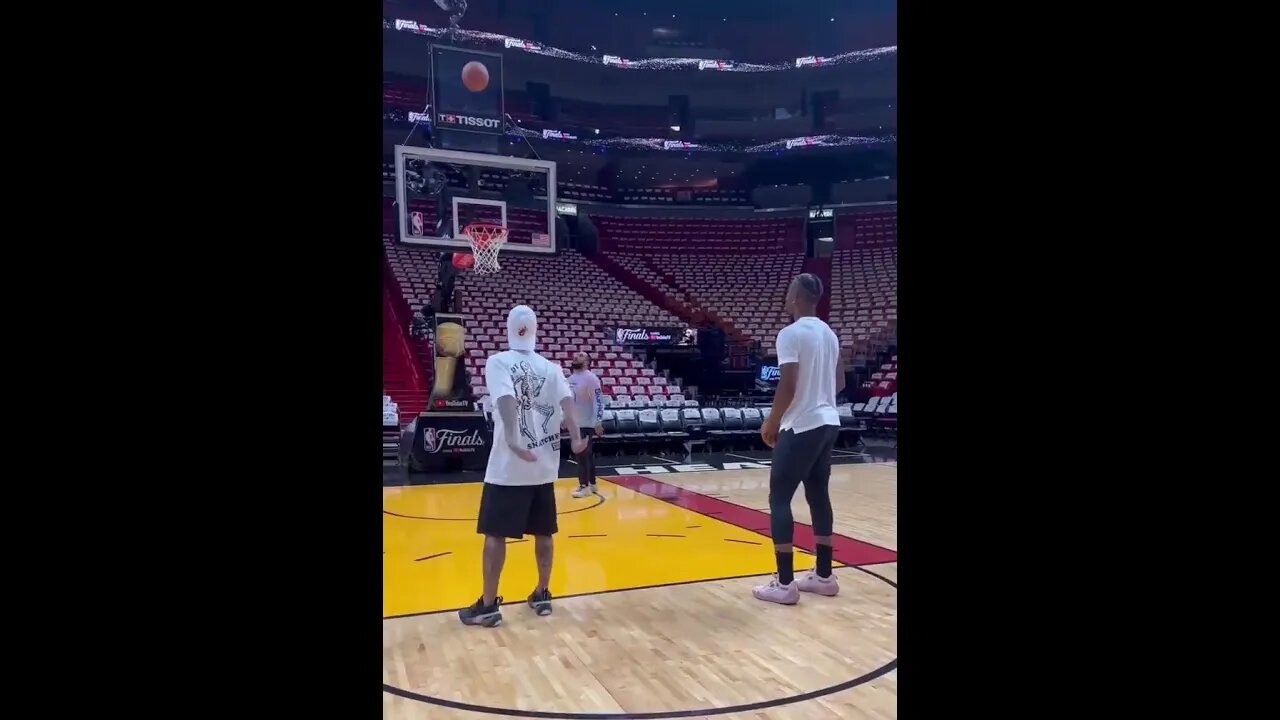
(802, 429)
(530, 398)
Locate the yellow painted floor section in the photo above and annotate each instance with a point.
(627, 556)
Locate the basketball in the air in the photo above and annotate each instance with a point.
(475, 76)
(464, 261)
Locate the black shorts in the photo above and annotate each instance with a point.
(516, 510)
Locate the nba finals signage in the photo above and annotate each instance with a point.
(444, 441)
(655, 336)
(452, 442)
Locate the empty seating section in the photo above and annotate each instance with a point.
(879, 412)
(744, 293)
(496, 181)
(684, 196)
(574, 300)
(721, 197)
(864, 296)
(735, 271)
(643, 269)
(407, 96)
(875, 229)
(700, 235)
(884, 382)
(582, 191)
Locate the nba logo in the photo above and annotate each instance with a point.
(429, 440)
(415, 223)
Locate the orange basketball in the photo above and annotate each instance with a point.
(475, 76)
(464, 261)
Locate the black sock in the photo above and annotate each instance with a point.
(824, 561)
(786, 573)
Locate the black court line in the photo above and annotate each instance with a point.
(574, 536)
(513, 542)
(744, 542)
(450, 552)
(701, 712)
(598, 503)
(660, 535)
(688, 527)
(859, 568)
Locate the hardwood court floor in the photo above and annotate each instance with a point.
(629, 640)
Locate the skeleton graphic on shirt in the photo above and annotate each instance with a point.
(527, 385)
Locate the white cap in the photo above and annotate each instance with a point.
(522, 328)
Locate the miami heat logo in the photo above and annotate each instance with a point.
(522, 331)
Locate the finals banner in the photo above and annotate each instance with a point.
(655, 336)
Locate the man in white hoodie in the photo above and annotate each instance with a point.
(532, 398)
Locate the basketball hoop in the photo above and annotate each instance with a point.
(486, 240)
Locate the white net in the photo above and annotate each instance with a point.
(486, 241)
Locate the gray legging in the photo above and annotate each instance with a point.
(801, 458)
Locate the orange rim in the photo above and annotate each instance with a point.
(481, 233)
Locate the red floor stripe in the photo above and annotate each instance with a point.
(843, 549)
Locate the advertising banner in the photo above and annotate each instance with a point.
(444, 439)
(655, 336)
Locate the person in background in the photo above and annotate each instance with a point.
(588, 406)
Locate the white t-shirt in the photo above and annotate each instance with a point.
(538, 385)
(810, 343)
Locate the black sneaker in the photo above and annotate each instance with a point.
(541, 602)
(478, 614)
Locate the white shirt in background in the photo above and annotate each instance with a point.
(812, 345)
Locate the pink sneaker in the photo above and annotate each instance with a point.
(777, 592)
(812, 583)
